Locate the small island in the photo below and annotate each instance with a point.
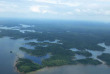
(11, 51)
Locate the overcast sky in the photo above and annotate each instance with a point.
(56, 9)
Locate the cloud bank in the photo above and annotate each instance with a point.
(62, 9)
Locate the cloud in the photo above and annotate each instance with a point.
(104, 0)
(6, 7)
(107, 12)
(46, 1)
(58, 2)
(1, 10)
(73, 4)
(69, 13)
(78, 10)
(42, 9)
(61, 8)
(35, 9)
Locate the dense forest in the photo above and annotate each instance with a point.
(105, 57)
(26, 65)
(69, 34)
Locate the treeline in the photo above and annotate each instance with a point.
(84, 53)
(26, 65)
(89, 61)
(105, 57)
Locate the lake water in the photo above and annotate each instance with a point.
(75, 69)
(8, 59)
(94, 53)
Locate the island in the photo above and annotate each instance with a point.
(59, 56)
(57, 40)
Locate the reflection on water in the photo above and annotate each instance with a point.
(37, 59)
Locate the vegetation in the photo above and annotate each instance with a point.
(84, 53)
(54, 49)
(105, 57)
(89, 61)
(58, 60)
(37, 52)
(70, 35)
(38, 44)
(26, 65)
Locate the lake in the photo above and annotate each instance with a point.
(75, 69)
(8, 59)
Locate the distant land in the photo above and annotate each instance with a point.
(60, 41)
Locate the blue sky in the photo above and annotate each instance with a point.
(98, 10)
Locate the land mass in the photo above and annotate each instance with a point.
(69, 36)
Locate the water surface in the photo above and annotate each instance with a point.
(75, 69)
(8, 59)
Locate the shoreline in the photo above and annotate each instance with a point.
(56, 67)
(45, 68)
(15, 68)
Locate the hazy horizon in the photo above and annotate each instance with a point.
(84, 10)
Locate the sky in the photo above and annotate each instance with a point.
(96, 10)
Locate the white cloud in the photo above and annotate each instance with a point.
(1, 10)
(77, 10)
(49, 11)
(59, 2)
(35, 9)
(93, 5)
(103, 0)
(69, 13)
(42, 9)
(71, 4)
(46, 1)
(47, 8)
(7, 7)
(86, 10)
(107, 12)
(38, 8)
